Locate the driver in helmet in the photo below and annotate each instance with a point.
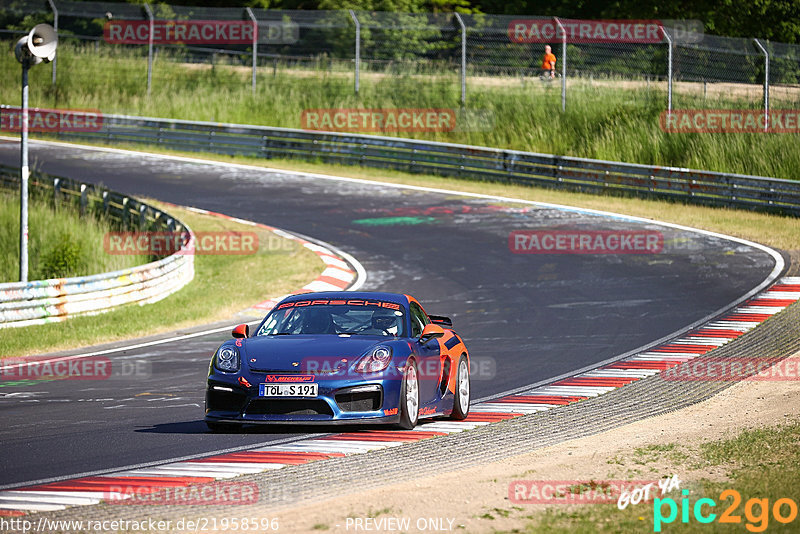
(386, 322)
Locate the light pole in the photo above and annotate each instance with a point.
(39, 45)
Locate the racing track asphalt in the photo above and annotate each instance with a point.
(531, 316)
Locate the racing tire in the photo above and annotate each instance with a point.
(223, 427)
(461, 397)
(409, 398)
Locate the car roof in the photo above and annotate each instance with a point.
(351, 295)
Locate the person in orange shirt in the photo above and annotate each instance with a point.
(549, 63)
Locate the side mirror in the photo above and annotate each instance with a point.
(431, 331)
(241, 330)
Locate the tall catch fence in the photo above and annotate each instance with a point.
(389, 52)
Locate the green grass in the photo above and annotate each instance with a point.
(608, 119)
(759, 463)
(222, 286)
(60, 243)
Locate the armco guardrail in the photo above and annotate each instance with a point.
(576, 174)
(44, 301)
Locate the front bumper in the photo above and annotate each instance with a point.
(338, 401)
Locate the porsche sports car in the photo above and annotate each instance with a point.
(340, 357)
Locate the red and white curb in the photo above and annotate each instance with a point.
(696, 342)
(151, 480)
(701, 340)
(338, 274)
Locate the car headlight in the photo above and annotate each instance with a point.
(227, 359)
(376, 360)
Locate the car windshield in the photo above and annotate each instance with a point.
(354, 317)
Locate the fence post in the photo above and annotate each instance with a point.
(125, 214)
(255, 44)
(463, 58)
(669, 69)
(149, 47)
(55, 27)
(358, 47)
(84, 200)
(563, 64)
(766, 82)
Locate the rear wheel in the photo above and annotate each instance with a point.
(409, 398)
(461, 400)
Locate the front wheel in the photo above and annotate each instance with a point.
(409, 398)
(461, 399)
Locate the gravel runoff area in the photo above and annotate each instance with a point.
(306, 484)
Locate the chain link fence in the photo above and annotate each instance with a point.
(395, 52)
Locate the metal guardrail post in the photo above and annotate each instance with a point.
(255, 43)
(669, 69)
(84, 200)
(358, 49)
(55, 27)
(463, 58)
(150, 47)
(56, 191)
(563, 64)
(764, 51)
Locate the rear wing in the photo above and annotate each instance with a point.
(441, 320)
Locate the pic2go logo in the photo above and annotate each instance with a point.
(756, 511)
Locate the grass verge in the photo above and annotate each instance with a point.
(760, 465)
(60, 244)
(223, 285)
(615, 120)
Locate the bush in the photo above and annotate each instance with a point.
(65, 258)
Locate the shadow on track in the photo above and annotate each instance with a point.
(199, 427)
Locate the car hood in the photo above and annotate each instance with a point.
(304, 353)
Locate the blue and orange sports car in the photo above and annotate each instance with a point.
(340, 357)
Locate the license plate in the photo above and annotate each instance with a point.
(287, 390)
